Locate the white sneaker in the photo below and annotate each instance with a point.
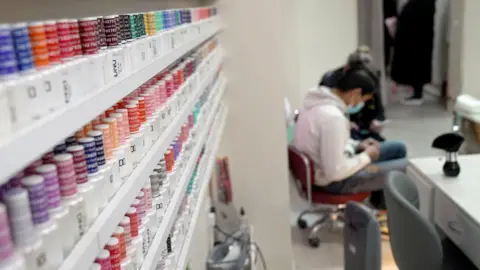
(411, 101)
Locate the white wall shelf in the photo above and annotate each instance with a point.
(152, 257)
(93, 241)
(31, 142)
(205, 180)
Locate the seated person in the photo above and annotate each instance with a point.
(322, 131)
(368, 122)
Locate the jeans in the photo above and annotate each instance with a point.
(392, 158)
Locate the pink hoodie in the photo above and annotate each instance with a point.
(323, 133)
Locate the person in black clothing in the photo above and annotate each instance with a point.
(368, 122)
(389, 12)
(413, 47)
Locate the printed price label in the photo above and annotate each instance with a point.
(169, 112)
(172, 40)
(66, 86)
(143, 54)
(117, 64)
(153, 46)
(164, 115)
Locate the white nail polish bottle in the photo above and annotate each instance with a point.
(132, 255)
(69, 193)
(126, 264)
(9, 258)
(131, 251)
(137, 238)
(78, 214)
(24, 235)
(61, 215)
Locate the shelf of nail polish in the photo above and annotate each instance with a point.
(197, 194)
(208, 114)
(125, 141)
(88, 247)
(53, 101)
(172, 250)
(161, 195)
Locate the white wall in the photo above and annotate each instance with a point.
(470, 49)
(29, 10)
(326, 33)
(277, 48)
(440, 42)
(258, 39)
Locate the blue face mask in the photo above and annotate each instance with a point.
(355, 109)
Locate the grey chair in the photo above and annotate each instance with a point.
(414, 240)
(362, 238)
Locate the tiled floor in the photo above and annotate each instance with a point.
(417, 127)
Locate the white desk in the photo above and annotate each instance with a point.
(453, 204)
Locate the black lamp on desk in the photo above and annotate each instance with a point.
(450, 143)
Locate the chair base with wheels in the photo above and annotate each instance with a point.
(330, 207)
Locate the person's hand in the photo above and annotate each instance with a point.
(369, 142)
(391, 24)
(373, 152)
(372, 168)
(376, 126)
(354, 126)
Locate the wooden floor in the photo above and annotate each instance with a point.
(388, 263)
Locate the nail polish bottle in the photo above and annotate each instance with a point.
(137, 240)
(131, 251)
(111, 160)
(150, 211)
(103, 259)
(10, 259)
(93, 155)
(103, 178)
(118, 153)
(70, 196)
(24, 235)
(46, 227)
(122, 148)
(142, 229)
(127, 167)
(113, 246)
(126, 262)
(58, 212)
(85, 189)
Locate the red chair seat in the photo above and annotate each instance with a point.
(329, 198)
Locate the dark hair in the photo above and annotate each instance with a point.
(357, 74)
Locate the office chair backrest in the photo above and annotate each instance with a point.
(301, 167)
(414, 241)
(362, 238)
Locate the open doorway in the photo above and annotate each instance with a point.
(374, 27)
